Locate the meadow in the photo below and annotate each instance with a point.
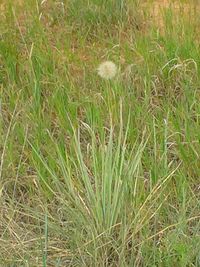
(93, 171)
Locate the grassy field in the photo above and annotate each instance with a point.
(97, 172)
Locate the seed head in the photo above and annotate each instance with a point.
(107, 70)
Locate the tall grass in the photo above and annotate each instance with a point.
(103, 190)
(102, 12)
(94, 172)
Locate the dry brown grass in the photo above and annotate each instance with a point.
(158, 7)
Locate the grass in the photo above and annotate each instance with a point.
(94, 172)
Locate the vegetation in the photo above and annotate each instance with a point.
(98, 172)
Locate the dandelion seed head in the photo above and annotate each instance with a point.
(107, 70)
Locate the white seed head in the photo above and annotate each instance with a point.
(107, 70)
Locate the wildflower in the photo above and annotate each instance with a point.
(107, 70)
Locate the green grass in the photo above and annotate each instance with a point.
(94, 172)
